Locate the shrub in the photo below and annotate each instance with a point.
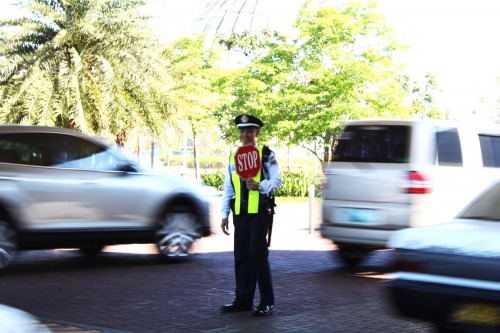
(295, 184)
(215, 179)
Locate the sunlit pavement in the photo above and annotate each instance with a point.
(295, 227)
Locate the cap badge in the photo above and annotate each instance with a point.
(244, 119)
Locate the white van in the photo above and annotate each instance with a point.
(387, 175)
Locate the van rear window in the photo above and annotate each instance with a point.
(449, 149)
(373, 143)
(490, 148)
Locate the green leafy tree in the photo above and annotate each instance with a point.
(192, 67)
(339, 67)
(90, 65)
(423, 99)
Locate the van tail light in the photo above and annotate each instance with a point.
(418, 183)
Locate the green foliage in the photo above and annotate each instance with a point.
(215, 179)
(192, 66)
(295, 184)
(89, 65)
(423, 102)
(304, 89)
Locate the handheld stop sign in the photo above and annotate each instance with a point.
(247, 160)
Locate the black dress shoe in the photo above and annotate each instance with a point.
(234, 307)
(263, 310)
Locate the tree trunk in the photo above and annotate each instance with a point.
(195, 153)
(327, 153)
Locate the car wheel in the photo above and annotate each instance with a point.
(8, 244)
(91, 250)
(351, 255)
(176, 234)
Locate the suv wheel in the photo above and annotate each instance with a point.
(8, 244)
(176, 234)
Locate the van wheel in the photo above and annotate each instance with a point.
(351, 255)
(8, 244)
(91, 250)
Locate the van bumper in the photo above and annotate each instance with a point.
(362, 236)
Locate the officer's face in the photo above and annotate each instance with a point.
(248, 135)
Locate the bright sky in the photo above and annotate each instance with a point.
(456, 40)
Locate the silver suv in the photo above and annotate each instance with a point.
(60, 188)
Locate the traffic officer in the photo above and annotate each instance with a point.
(252, 206)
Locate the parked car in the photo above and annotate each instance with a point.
(60, 188)
(449, 273)
(387, 175)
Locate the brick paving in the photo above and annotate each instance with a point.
(130, 290)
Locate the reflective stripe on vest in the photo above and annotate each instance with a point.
(253, 196)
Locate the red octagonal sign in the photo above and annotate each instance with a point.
(247, 161)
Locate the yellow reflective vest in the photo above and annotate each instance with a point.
(253, 196)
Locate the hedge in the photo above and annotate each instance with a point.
(295, 184)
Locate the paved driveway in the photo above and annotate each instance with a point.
(130, 289)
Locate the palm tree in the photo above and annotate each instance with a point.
(92, 65)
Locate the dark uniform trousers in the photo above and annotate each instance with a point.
(251, 258)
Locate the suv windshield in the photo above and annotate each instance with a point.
(372, 143)
(57, 150)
